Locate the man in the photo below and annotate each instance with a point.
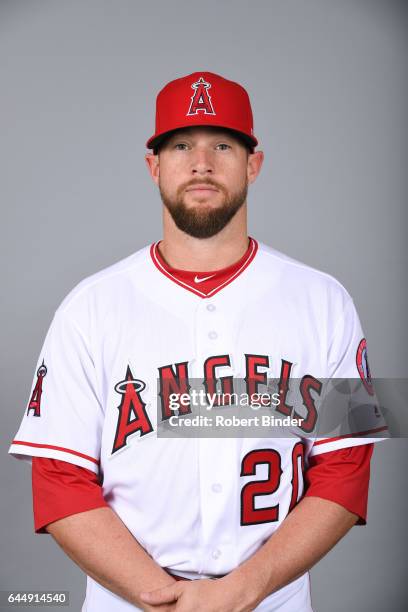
(162, 521)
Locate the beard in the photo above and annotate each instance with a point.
(203, 221)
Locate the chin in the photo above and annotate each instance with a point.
(201, 201)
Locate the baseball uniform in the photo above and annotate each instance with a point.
(199, 505)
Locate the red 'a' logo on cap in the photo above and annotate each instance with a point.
(201, 99)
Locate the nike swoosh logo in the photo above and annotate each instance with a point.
(204, 278)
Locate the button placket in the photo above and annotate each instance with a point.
(209, 328)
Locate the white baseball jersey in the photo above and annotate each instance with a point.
(199, 506)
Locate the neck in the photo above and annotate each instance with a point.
(204, 254)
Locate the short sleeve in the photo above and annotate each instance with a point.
(343, 346)
(350, 413)
(63, 418)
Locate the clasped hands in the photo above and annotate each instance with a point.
(207, 595)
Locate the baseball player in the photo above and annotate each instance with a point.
(163, 521)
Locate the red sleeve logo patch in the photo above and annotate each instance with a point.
(35, 401)
(363, 367)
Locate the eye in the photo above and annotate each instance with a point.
(223, 146)
(181, 146)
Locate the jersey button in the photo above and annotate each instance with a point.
(213, 335)
(216, 487)
(210, 307)
(216, 554)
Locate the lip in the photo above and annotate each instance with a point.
(202, 187)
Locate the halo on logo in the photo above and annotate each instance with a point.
(138, 385)
(363, 367)
(42, 370)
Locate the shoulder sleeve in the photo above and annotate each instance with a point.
(64, 417)
(350, 413)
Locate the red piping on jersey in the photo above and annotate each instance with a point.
(155, 255)
(354, 435)
(59, 448)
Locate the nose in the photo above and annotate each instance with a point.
(202, 162)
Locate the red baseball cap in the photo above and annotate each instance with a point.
(203, 98)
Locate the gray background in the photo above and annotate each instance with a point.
(328, 86)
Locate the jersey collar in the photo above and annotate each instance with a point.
(204, 284)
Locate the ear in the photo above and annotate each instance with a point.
(255, 161)
(152, 162)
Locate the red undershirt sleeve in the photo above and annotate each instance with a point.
(61, 489)
(342, 476)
